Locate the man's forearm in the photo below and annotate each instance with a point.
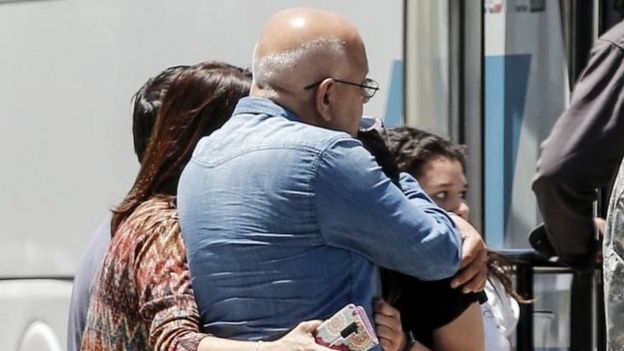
(567, 215)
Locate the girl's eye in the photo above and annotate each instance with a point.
(442, 195)
(463, 194)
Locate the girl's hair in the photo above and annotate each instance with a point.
(501, 267)
(199, 101)
(412, 148)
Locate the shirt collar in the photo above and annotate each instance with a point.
(257, 105)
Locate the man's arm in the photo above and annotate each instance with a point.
(473, 266)
(581, 154)
(361, 210)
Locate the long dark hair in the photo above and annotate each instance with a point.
(502, 268)
(199, 101)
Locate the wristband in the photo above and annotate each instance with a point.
(411, 341)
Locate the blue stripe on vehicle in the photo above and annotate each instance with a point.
(506, 83)
(394, 103)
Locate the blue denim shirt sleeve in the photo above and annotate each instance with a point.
(411, 187)
(361, 210)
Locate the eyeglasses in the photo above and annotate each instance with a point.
(369, 86)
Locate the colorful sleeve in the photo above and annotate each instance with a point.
(359, 207)
(166, 300)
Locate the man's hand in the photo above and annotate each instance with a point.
(473, 267)
(601, 225)
(388, 327)
(299, 339)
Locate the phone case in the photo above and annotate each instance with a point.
(347, 330)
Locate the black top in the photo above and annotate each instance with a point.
(425, 305)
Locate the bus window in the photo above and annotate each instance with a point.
(427, 65)
(525, 90)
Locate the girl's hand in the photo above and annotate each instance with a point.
(388, 326)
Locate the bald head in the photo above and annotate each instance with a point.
(302, 45)
(303, 59)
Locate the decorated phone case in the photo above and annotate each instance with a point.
(347, 330)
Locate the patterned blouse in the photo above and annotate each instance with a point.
(142, 298)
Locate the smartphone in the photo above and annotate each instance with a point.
(347, 330)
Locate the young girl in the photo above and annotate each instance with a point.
(439, 166)
(436, 316)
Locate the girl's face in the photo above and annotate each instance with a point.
(444, 181)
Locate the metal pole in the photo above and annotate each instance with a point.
(581, 321)
(601, 330)
(524, 331)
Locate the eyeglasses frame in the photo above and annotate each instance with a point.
(365, 85)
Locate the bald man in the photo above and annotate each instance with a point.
(284, 214)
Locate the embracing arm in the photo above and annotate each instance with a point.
(299, 339)
(473, 267)
(168, 305)
(361, 210)
(162, 280)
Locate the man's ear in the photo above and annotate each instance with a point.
(323, 98)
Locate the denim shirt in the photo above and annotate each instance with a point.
(285, 222)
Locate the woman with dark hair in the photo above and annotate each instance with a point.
(143, 298)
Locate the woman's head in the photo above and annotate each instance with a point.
(438, 165)
(199, 101)
(146, 105)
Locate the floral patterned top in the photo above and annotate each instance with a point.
(142, 298)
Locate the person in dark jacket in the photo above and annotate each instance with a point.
(581, 154)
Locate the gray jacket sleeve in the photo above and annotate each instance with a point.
(583, 152)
